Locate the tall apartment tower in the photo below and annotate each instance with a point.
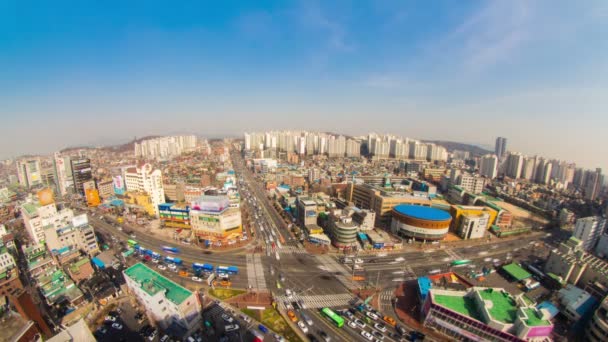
(588, 230)
(593, 184)
(515, 163)
(81, 173)
(488, 167)
(501, 147)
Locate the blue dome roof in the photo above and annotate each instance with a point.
(423, 213)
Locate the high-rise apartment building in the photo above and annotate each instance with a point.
(593, 184)
(353, 148)
(529, 168)
(515, 163)
(501, 147)
(144, 178)
(588, 230)
(28, 172)
(81, 174)
(166, 147)
(488, 166)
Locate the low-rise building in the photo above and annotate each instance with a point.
(575, 302)
(597, 329)
(174, 216)
(81, 269)
(574, 265)
(172, 306)
(213, 220)
(484, 314)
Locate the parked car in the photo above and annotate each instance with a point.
(231, 327)
(367, 335)
(117, 326)
(227, 318)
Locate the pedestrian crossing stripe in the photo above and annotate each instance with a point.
(317, 301)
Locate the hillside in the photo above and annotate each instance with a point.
(451, 146)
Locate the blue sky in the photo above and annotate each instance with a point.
(91, 72)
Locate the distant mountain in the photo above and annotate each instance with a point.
(451, 146)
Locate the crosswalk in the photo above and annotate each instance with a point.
(291, 250)
(317, 301)
(255, 272)
(452, 253)
(343, 275)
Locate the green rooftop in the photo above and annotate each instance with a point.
(458, 303)
(534, 319)
(30, 208)
(152, 283)
(516, 271)
(503, 307)
(76, 265)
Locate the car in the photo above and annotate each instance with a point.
(302, 304)
(227, 318)
(263, 328)
(102, 330)
(378, 335)
(281, 277)
(197, 279)
(278, 337)
(306, 318)
(231, 327)
(292, 316)
(245, 318)
(165, 338)
(380, 327)
(110, 318)
(156, 261)
(152, 335)
(133, 236)
(288, 306)
(367, 335)
(288, 293)
(222, 275)
(371, 315)
(161, 267)
(172, 266)
(324, 336)
(303, 327)
(117, 326)
(401, 330)
(352, 324)
(390, 320)
(360, 323)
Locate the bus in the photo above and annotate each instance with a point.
(202, 267)
(460, 262)
(227, 269)
(173, 260)
(169, 249)
(132, 243)
(337, 320)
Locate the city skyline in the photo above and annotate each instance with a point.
(484, 69)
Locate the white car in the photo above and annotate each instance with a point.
(360, 323)
(162, 267)
(197, 279)
(156, 261)
(231, 327)
(227, 318)
(117, 326)
(372, 315)
(367, 335)
(303, 327)
(172, 266)
(358, 261)
(352, 324)
(380, 327)
(288, 293)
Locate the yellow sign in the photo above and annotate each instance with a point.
(45, 196)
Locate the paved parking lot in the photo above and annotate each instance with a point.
(213, 314)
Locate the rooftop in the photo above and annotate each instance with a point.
(421, 212)
(516, 271)
(503, 307)
(152, 282)
(31, 208)
(458, 303)
(534, 318)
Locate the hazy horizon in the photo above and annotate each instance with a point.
(82, 74)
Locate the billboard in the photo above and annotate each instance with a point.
(92, 196)
(214, 204)
(119, 185)
(45, 196)
(80, 220)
